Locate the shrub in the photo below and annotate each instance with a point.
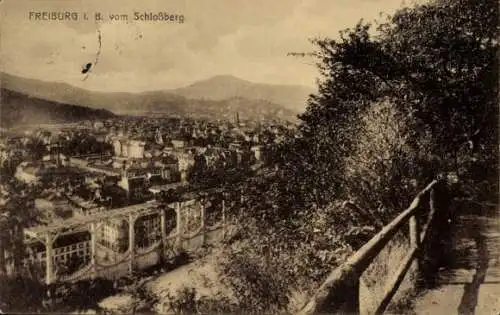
(187, 301)
(21, 295)
(385, 170)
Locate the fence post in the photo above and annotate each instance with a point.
(415, 242)
(431, 240)
(414, 231)
(440, 241)
(346, 301)
(351, 305)
(431, 249)
(343, 299)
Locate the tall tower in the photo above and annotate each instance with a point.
(158, 136)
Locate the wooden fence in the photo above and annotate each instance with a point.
(339, 294)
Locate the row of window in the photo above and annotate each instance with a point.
(59, 258)
(72, 247)
(109, 232)
(83, 246)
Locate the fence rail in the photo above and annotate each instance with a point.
(339, 293)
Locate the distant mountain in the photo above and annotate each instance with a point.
(19, 109)
(118, 102)
(292, 97)
(171, 102)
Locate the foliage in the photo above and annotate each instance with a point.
(82, 295)
(267, 264)
(15, 292)
(187, 301)
(258, 287)
(21, 295)
(381, 172)
(142, 299)
(394, 108)
(436, 63)
(17, 213)
(443, 55)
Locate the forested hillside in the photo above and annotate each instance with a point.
(19, 109)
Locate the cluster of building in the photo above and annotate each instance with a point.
(97, 166)
(153, 154)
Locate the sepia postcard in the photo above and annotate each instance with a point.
(249, 157)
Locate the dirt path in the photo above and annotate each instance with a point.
(470, 283)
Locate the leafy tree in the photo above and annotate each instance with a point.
(21, 295)
(17, 213)
(81, 295)
(381, 170)
(435, 62)
(443, 55)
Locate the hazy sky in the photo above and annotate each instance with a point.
(246, 38)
